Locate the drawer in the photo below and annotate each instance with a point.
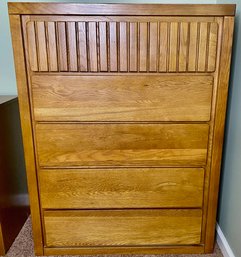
(65, 145)
(122, 98)
(121, 188)
(122, 227)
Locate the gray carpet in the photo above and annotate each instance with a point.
(23, 247)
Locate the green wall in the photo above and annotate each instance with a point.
(229, 217)
(7, 75)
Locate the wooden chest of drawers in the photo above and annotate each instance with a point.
(123, 111)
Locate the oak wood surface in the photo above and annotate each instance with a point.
(208, 169)
(121, 188)
(123, 9)
(26, 126)
(122, 227)
(112, 98)
(220, 114)
(121, 144)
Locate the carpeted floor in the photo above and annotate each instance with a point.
(23, 247)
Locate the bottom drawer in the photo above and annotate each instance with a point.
(122, 227)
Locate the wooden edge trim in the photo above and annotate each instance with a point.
(220, 115)
(2, 248)
(198, 249)
(25, 118)
(123, 9)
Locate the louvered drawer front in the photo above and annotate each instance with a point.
(121, 44)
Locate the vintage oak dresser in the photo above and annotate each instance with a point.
(123, 111)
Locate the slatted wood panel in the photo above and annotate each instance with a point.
(121, 46)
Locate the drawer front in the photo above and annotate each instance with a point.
(123, 43)
(122, 98)
(121, 144)
(127, 227)
(121, 188)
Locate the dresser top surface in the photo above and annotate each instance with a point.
(122, 9)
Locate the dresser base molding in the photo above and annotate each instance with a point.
(198, 249)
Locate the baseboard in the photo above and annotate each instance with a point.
(223, 243)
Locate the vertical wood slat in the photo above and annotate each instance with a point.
(202, 53)
(42, 46)
(183, 50)
(133, 46)
(113, 46)
(92, 46)
(193, 41)
(103, 46)
(82, 45)
(72, 48)
(173, 46)
(212, 51)
(153, 53)
(32, 47)
(143, 36)
(163, 46)
(62, 47)
(123, 45)
(52, 46)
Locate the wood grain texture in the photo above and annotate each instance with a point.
(144, 44)
(62, 46)
(202, 47)
(41, 46)
(122, 228)
(103, 46)
(82, 46)
(32, 46)
(223, 80)
(51, 46)
(193, 44)
(121, 144)
(183, 47)
(121, 188)
(72, 48)
(25, 117)
(128, 98)
(122, 9)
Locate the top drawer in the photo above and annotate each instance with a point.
(121, 43)
(122, 98)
